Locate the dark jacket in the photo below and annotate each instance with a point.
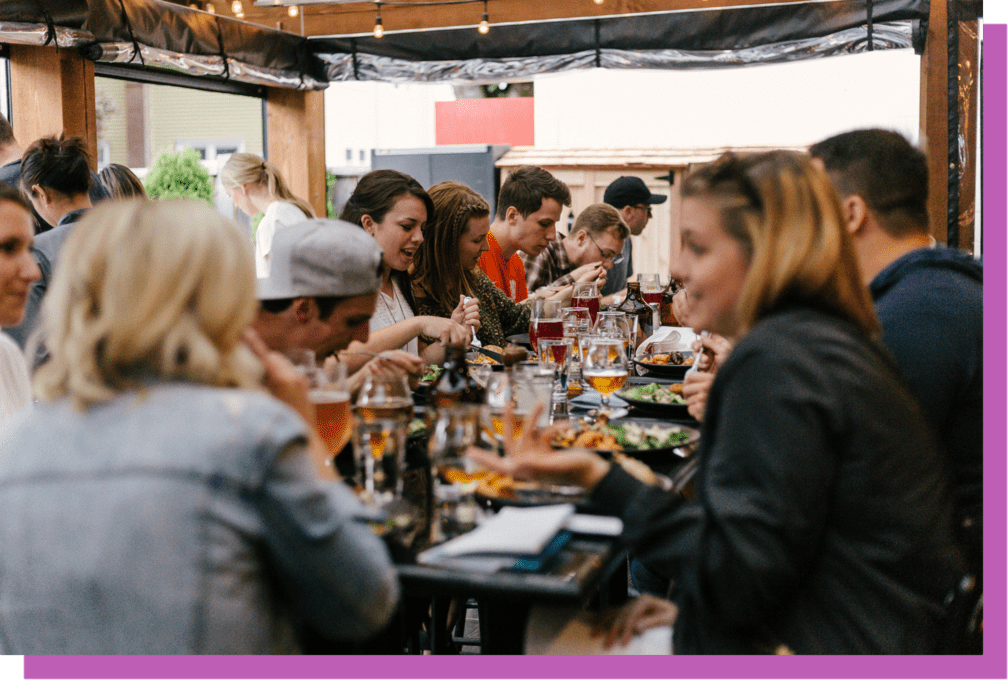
(821, 519)
(930, 305)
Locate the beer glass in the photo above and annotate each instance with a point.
(328, 392)
(605, 367)
(455, 476)
(545, 321)
(586, 295)
(612, 324)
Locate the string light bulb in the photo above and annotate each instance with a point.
(236, 7)
(484, 26)
(210, 8)
(599, 2)
(292, 11)
(379, 30)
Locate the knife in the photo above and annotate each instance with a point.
(488, 353)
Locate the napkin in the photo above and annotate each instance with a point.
(681, 336)
(512, 532)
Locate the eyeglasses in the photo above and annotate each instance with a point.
(615, 258)
(644, 207)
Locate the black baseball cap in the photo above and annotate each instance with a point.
(630, 191)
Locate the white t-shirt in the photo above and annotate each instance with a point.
(390, 310)
(15, 386)
(278, 214)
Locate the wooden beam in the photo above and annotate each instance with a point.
(359, 17)
(295, 139)
(969, 82)
(934, 117)
(54, 94)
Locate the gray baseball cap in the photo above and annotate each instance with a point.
(322, 258)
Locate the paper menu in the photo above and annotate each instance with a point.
(512, 531)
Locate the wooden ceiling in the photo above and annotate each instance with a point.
(352, 18)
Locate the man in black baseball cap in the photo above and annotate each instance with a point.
(631, 197)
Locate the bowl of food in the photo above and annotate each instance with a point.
(656, 399)
(654, 442)
(672, 364)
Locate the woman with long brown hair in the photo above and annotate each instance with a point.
(446, 265)
(256, 186)
(395, 209)
(822, 520)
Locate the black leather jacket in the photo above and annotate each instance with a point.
(822, 519)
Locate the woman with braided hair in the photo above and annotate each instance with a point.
(255, 186)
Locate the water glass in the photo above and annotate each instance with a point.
(455, 476)
(498, 397)
(533, 385)
(576, 321)
(380, 454)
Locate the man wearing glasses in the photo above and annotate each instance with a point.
(593, 248)
(631, 197)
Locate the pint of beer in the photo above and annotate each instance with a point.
(332, 416)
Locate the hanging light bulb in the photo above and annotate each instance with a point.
(292, 11)
(599, 2)
(379, 30)
(236, 7)
(210, 8)
(484, 26)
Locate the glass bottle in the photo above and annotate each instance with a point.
(456, 386)
(668, 317)
(638, 312)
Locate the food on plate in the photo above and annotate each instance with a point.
(484, 359)
(431, 373)
(627, 437)
(667, 359)
(496, 485)
(659, 394)
(513, 354)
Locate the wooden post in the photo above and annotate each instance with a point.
(934, 117)
(295, 140)
(54, 94)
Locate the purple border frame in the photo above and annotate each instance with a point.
(991, 664)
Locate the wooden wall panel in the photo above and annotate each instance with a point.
(53, 93)
(295, 139)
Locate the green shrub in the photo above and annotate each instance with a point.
(179, 175)
(330, 180)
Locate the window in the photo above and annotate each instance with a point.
(349, 154)
(361, 155)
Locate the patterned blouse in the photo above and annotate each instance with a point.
(500, 316)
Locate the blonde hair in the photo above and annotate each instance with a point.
(247, 168)
(600, 217)
(144, 290)
(786, 216)
(437, 272)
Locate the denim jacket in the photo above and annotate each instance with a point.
(182, 519)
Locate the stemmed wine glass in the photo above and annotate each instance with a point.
(605, 367)
(613, 324)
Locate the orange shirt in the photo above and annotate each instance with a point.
(508, 276)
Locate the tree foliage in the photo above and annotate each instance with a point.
(179, 175)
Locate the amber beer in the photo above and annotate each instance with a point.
(390, 409)
(332, 417)
(606, 381)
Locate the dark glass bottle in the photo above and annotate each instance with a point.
(635, 308)
(668, 317)
(455, 385)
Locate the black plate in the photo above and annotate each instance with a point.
(520, 339)
(666, 459)
(655, 409)
(663, 370)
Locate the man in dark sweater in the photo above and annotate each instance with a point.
(929, 299)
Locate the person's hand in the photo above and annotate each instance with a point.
(696, 387)
(718, 348)
(446, 331)
(467, 313)
(680, 307)
(593, 271)
(286, 383)
(281, 378)
(530, 456)
(636, 616)
(390, 362)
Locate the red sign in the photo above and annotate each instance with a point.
(486, 121)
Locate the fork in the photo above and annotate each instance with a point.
(695, 368)
(475, 341)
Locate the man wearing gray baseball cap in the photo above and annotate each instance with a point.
(322, 287)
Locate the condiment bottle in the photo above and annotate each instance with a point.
(668, 317)
(638, 312)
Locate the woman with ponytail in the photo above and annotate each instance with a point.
(255, 186)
